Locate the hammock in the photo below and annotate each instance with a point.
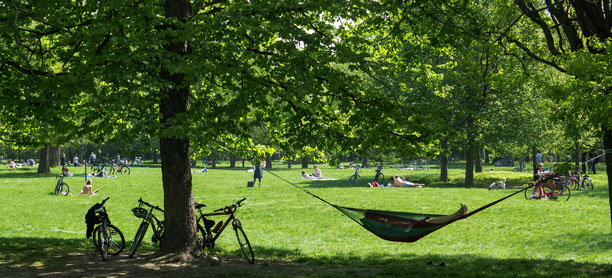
(396, 225)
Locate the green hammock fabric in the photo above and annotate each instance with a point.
(393, 225)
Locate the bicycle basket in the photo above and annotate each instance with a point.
(139, 212)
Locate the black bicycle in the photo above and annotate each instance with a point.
(148, 218)
(107, 238)
(379, 177)
(61, 187)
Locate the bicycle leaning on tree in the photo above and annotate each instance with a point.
(148, 218)
(211, 232)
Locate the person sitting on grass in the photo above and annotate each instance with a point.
(402, 182)
(87, 189)
(317, 171)
(65, 171)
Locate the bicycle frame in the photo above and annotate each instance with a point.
(230, 218)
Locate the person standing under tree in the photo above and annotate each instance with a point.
(257, 173)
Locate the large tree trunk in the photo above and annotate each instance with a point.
(607, 141)
(43, 162)
(444, 163)
(180, 230)
(305, 162)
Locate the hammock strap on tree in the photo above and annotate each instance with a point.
(397, 225)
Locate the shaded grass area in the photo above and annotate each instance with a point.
(517, 238)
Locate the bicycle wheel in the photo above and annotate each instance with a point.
(116, 241)
(125, 170)
(529, 193)
(566, 191)
(62, 188)
(205, 239)
(243, 241)
(573, 184)
(142, 230)
(587, 184)
(102, 239)
(111, 171)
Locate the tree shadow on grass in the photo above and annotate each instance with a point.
(28, 257)
(23, 173)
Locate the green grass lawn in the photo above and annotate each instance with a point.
(516, 238)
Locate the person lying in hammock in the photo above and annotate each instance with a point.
(447, 218)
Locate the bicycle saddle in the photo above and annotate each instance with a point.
(197, 206)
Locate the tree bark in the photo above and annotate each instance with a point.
(232, 161)
(305, 162)
(607, 141)
(54, 157)
(444, 163)
(268, 162)
(469, 166)
(477, 159)
(365, 161)
(43, 161)
(180, 221)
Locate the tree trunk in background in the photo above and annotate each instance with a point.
(584, 156)
(155, 159)
(268, 162)
(444, 163)
(54, 157)
(305, 162)
(469, 166)
(487, 157)
(607, 141)
(180, 234)
(43, 161)
(534, 159)
(576, 155)
(213, 160)
(289, 164)
(365, 161)
(477, 159)
(232, 161)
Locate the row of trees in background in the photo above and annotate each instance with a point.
(411, 78)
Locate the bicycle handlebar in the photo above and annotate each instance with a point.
(233, 206)
(104, 201)
(149, 205)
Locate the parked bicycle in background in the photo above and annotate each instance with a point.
(61, 187)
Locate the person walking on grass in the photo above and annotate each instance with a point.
(257, 173)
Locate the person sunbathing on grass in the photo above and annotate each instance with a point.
(402, 182)
(447, 218)
(311, 177)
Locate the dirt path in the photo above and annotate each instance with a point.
(86, 265)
